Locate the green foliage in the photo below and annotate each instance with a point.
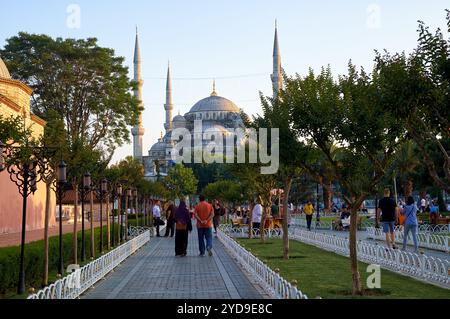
(34, 260)
(325, 274)
(11, 129)
(180, 182)
(87, 85)
(225, 191)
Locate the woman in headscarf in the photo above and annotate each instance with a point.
(183, 226)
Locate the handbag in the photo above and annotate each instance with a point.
(189, 225)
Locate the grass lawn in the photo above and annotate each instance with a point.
(325, 274)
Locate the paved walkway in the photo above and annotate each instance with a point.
(155, 273)
(13, 239)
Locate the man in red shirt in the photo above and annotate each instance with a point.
(204, 214)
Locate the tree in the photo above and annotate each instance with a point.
(276, 116)
(226, 191)
(180, 182)
(85, 84)
(349, 114)
(417, 90)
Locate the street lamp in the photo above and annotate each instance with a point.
(25, 170)
(116, 193)
(62, 180)
(135, 197)
(127, 198)
(84, 189)
(119, 210)
(102, 194)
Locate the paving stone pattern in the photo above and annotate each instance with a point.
(155, 273)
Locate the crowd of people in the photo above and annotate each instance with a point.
(179, 223)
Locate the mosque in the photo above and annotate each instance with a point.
(218, 114)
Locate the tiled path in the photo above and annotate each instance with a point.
(155, 273)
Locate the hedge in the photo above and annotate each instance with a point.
(34, 260)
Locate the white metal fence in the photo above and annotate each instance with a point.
(271, 281)
(325, 224)
(419, 266)
(80, 280)
(436, 241)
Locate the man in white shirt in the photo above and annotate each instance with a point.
(423, 205)
(256, 216)
(157, 216)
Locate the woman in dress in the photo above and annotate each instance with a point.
(182, 227)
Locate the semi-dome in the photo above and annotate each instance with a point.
(179, 118)
(4, 73)
(158, 147)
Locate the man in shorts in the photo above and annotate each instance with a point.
(388, 209)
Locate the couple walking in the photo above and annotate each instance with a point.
(204, 214)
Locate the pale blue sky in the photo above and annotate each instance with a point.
(228, 40)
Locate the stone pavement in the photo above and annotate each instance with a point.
(155, 273)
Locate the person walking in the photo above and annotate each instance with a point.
(204, 214)
(388, 209)
(157, 216)
(309, 212)
(411, 223)
(170, 212)
(218, 212)
(257, 216)
(183, 226)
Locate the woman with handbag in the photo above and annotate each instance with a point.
(182, 227)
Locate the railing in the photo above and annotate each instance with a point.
(419, 266)
(134, 231)
(429, 240)
(435, 228)
(325, 224)
(80, 280)
(271, 281)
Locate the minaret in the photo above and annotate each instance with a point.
(169, 105)
(277, 77)
(138, 130)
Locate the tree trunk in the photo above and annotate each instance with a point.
(287, 191)
(409, 188)
(91, 195)
(46, 221)
(327, 196)
(126, 217)
(250, 222)
(356, 280)
(75, 224)
(108, 225)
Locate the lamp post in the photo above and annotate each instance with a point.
(116, 195)
(62, 180)
(86, 187)
(119, 211)
(101, 195)
(27, 166)
(127, 198)
(135, 196)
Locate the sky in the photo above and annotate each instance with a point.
(227, 40)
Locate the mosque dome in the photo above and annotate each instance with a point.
(4, 73)
(215, 104)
